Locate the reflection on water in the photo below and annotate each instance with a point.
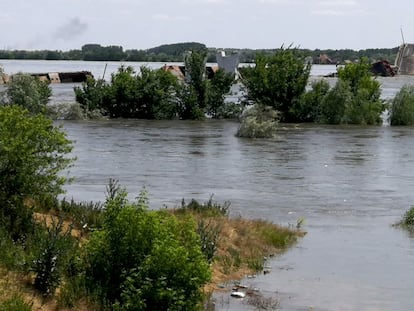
(349, 183)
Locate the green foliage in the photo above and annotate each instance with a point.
(277, 81)
(209, 208)
(355, 98)
(307, 109)
(91, 94)
(147, 95)
(365, 106)
(334, 104)
(15, 303)
(402, 107)
(408, 219)
(258, 122)
(56, 247)
(157, 94)
(28, 92)
(144, 260)
(32, 156)
(209, 235)
(217, 87)
(174, 53)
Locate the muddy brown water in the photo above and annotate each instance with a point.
(349, 183)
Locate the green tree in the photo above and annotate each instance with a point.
(91, 94)
(277, 81)
(145, 260)
(401, 111)
(334, 104)
(29, 92)
(32, 156)
(156, 91)
(307, 109)
(150, 94)
(195, 66)
(217, 87)
(364, 105)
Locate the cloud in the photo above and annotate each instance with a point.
(335, 3)
(280, 2)
(193, 2)
(337, 8)
(70, 30)
(169, 17)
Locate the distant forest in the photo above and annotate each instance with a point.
(175, 53)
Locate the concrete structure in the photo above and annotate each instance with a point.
(230, 63)
(405, 59)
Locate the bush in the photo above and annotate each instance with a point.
(365, 106)
(144, 260)
(408, 218)
(258, 122)
(277, 81)
(308, 108)
(28, 92)
(56, 246)
(32, 155)
(355, 98)
(335, 103)
(402, 107)
(209, 208)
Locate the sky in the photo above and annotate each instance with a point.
(254, 24)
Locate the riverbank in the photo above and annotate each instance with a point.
(242, 248)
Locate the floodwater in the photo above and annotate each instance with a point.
(349, 183)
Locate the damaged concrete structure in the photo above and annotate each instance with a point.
(404, 62)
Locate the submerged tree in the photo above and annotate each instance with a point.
(277, 81)
(401, 111)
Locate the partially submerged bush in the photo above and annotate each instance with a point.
(408, 219)
(258, 122)
(28, 92)
(307, 109)
(401, 110)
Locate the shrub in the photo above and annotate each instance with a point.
(402, 107)
(308, 108)
(408, 218)
(209, 208)
(91, 94)
(32, 155)
(258, 122)
(144, 260)
(28, 92)
(365, 106)
(335, 103)
(56, 245)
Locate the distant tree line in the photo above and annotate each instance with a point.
(175, 53)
